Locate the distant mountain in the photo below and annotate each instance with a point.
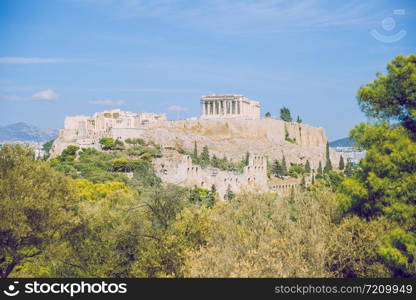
(26, 133)
(345, 142)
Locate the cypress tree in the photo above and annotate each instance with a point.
(195, 151)
(328, 164)
(341, 163)
(319, 171)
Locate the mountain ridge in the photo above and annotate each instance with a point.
(23, 132)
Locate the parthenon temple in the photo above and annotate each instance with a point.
(229, 106)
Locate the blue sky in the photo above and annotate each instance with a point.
(69, 57)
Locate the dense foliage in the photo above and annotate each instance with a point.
(384, 184)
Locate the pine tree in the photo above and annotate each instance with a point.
(285, 114)
(328, 164)
(307, 167)
(299, 120)
(341, 163)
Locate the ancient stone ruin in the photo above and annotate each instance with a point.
(230, 126)
(229, 106)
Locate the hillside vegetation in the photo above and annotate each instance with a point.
(89, 213)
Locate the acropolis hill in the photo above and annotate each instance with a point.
(230, 125)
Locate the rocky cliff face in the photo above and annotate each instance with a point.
(232, 138)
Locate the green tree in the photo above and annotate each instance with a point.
(47, 146)
(212, 196)
(393, 96)
(284, 165)
(341, 163)
(319, 170)
(204, 158)
(296, 170)
(307, 167)
(229, 194)
(384, 184)
(285, 114)
(69, 153)
(299, 120)
(328, 163)
(195, 151)
(107, 143)
(36, 207)
(277, 169)
(268, 115)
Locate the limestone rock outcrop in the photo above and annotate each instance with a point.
(224, 137)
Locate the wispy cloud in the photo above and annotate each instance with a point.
(249, 16)
(35, 60)
(107, 102)
(45, 95)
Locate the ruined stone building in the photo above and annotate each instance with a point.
(179, 169)
(229, 106)
(86, 126)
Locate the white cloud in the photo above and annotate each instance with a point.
(45, 95)
(35, 60)
(177, 108)
(107, 102)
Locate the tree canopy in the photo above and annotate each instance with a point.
(393, 96)
(285, 114)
